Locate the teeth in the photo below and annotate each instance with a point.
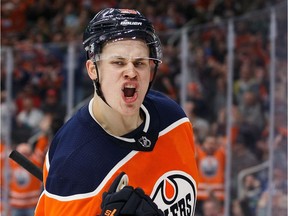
(129, 90)
(130, 86)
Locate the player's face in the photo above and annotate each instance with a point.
(125, 73)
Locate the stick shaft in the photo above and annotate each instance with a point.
(27, 164)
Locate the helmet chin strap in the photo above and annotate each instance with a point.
(154, 75)
(97, 84)
(99, 91)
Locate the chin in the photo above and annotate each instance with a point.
(130, 109)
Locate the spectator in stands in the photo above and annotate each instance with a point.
(252, 119)
(13, 17)
(251, 193)
(251, 112)
(236, 208)
(22, 131)
(278, 193)
(74, 18)
(40, 141)
(7, 111)
(242, 158)
(27, 91)
(52, 103)
(246, 82)
(51, 74)
(24, 187)
(196, 96)
(220, 126)
(54, 114)
(30, 116)
(200, 125)
(211, 164)
(212, 207)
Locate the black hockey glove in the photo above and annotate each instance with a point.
(127, 201)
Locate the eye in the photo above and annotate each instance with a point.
(138, 63)
(118, 62)
(141, 63)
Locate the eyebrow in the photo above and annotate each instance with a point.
(120, 57)
(128, 57)
(117, 56)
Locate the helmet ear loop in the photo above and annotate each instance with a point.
(98, 85)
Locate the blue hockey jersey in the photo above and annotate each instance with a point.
(158, 156)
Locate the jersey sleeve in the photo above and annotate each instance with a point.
(78, 204)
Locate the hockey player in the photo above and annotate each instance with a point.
(128, 136)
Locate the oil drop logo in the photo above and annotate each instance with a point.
(175, 193)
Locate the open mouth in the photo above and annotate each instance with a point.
(129, 90)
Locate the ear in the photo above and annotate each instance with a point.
(91, 70)
(151, 76)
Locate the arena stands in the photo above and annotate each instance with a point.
(41, 34)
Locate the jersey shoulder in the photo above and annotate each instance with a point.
(82, 149)
(168, 110)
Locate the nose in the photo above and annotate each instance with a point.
(130, 71)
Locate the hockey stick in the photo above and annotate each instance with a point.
(27, 164)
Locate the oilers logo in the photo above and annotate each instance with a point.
(175, 194)
(209, 166)
(21, 177)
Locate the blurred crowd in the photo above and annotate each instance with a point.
(39, 32)
(61, 21)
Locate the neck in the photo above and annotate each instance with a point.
(113, 122)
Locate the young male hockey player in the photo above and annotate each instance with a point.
(128, 136)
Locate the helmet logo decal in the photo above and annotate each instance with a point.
(126, 23)
(128, 11)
